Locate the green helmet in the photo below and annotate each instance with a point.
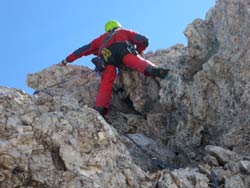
(112, 24)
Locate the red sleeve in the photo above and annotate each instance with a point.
(139, 40)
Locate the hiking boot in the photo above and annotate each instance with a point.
(157, 71)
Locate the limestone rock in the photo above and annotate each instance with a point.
(234, 181)
(183, 178)
(55, 138)
(223, 155)
(80, 83)
(202, 41)
(148, 154)
(245, 166)
(75, 143)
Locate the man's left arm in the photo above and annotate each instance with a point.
(85, 50)
(141, 42)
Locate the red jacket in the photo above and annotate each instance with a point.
(122, 35)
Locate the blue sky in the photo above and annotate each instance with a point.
(35, 34)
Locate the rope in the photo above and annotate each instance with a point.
(163, 165)
(53, 85)
(215, 179)
(156, 161)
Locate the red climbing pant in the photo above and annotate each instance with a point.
(105, 90)
(109, 74)
(136, 62)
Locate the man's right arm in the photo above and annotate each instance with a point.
(83, 51)
(91, 48)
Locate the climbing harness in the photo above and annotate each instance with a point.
(107, 39)
(131, 48)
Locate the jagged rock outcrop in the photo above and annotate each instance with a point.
(70, 146)
(195, 123)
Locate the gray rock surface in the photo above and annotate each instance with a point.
(70, 147)
(197, 119)
(183, 178)
(221, 154)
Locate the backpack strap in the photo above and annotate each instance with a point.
(107, 39)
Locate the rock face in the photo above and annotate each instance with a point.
(186, 131)
(71, 147)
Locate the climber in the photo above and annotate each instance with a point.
(117, 46)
